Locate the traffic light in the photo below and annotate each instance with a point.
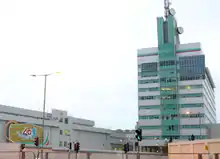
(22, 146)
(36, 141)
(70, 145)
(189, 138)
(192, 137)
(126, 147)
(77, 147)
(171, 139)
(138, 134)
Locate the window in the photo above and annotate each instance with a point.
(192, 126)
(189, 78)
(192, 115)
(167, 63)
(148, 81)
(191, 95)
(66, 120)
(170, 117)
(61, 120)
(61, 132)
(147, 97)
(65, 144)
(168, 97)
(168, 88)
(191, 86)
(148, 89)
(66, 132)
(192, 67)
(149, 117)
(191, 105)
(150, 107)
(171, 128)
(60, 144)
(147, 74)
(149, 67)
(168, 79)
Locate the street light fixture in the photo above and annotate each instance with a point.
(44, 103)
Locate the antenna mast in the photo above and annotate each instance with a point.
(167, 4)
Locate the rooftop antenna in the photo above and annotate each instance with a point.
(167, 4)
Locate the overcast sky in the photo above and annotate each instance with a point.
(93, 43)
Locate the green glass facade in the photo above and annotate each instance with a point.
(168, 78)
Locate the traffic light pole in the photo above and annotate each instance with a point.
(138, 151)
(76, 156)
(69, 154)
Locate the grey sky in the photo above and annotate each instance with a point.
(93, 43)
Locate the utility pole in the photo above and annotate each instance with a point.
(44, 105)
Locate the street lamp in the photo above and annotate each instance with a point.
(44, 103)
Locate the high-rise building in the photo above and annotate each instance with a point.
(175, 89)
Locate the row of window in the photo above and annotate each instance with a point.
(183, 61)
(181, 78)
(167, 88)
(171, 96)
(172, 106)
(149, 67)
(147, 117)
(192, 70)
(148, 89)
(168, 79)
(63, 144)
(148, 81)
(65, 132)
(148, 74)
(65, 120)
(181, 126)
(185, 137)
(190, 78)
(167, 63)
(192, 60)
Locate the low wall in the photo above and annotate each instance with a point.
(93, 155)
(194, 149)
(11, 151)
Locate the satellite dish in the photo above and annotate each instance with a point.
(172, 12)
(180, 30)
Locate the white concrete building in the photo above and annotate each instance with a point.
(61, 129)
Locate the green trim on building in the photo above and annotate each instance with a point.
(149, 107)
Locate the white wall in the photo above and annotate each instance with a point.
(149, 102)
(149, 122)
(145, 112)
(90, 140)
(195, 131)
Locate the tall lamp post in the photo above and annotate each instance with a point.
(44, 104)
